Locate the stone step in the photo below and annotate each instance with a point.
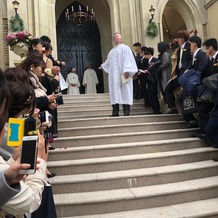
(94, 165)
(65, 142)
(97, 121)
(122, 128)
(102, 111)
(133, 178)
(94, 115)
(98, 95)
(94, 107)
(89, 203)
(196, 209)
(109, 150)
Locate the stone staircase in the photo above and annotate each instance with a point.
(142, 166)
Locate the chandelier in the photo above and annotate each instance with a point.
(80, 17)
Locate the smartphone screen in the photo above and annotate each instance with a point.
(28, 153)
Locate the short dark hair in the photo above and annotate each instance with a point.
(46, 45)
(137, 44)
(211, 42)
(45, 38)
(35, 42)
(149, 51)
(196, 39)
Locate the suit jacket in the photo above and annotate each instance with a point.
(212, 68)
(200, 62)
(7, 192)
(143, 65)
(186, 59)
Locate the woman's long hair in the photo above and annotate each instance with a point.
(22, 97)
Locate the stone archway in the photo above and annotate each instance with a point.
(193, 14)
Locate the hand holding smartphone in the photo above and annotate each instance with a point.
(29, 154)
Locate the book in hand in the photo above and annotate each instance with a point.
(124, 80)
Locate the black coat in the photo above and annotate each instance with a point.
(143, 65)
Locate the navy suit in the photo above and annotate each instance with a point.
(205, 108)
(212, 125)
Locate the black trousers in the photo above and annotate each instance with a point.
(203, 111)
(169, 96)
(145, 92)
(153, 96)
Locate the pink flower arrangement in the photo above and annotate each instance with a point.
(20, 37)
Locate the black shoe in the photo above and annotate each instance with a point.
(50, 175)
(157, 112)
(126, 114)
(190, 125)
(215, 158)
(172, 111)
(114, 115)
(51, 148)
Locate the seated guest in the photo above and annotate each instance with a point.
(204, 109)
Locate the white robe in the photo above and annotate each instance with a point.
(120, 60)
(72, 78)
(90, 80)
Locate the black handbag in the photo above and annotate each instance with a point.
(205, 95)
(189, 104)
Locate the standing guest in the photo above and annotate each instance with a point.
(152, 80)
(184, 61)
(165, 68)
(121, 66)
(58, 63)
(137, 92)
(90, 80)
(143, 77)
(73, 83)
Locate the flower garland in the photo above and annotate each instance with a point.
(152, 30)
(16, 24)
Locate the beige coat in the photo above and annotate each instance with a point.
(29, 198)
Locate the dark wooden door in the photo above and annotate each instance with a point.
(78, 46)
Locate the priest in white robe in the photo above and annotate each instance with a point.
(120, 66)
(73, 83)
(90, 80)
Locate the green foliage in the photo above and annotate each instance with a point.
(16, 24)
(152, 30)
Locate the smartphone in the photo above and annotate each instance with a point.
(45, 116)
(29, 153)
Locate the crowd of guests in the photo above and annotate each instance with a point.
(27, 91)
(185, 76)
